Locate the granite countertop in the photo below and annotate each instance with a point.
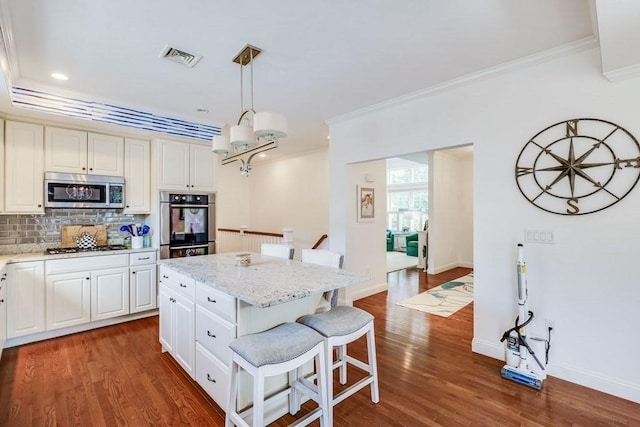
(43, 256)
(267, 281)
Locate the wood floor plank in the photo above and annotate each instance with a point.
(118, 376)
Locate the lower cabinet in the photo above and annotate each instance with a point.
(142, 285)
(25, 298)
(177, 327)
(212, 375)
(3, 308)
(109, 293)
(68, 299)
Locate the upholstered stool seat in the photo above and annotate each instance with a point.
(283, 349)
(338, 321)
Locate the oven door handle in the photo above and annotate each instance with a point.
(188, 247)
(189, 206)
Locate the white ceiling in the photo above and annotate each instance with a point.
(320, 59)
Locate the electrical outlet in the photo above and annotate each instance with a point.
(539, 236)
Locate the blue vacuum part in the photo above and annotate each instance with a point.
(521, 378)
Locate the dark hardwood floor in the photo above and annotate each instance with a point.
(117, 376)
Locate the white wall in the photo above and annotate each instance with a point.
(289, 193)
(587, 282)
(450, 212)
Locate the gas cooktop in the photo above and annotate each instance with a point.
(58, 251)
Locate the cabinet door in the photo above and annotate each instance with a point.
(143, 288)
(202, 168)
(109, 293)
(184, 333)
(105, 154)
(137, 175)
(167, 321)
(68, 299)
(25, 297)
(173, 165)
(24, 168)
(65, 150)
(3, 308)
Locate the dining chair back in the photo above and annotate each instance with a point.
(277, 249)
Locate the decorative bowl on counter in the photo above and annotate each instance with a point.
(243, 259)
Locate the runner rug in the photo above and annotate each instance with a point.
(445, 299)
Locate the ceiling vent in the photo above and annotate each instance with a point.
(179, 56)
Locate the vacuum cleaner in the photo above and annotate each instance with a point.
(523, 363)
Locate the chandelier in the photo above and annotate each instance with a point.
(255, 133)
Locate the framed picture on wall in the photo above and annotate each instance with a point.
(366, 203)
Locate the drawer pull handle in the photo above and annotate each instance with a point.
(164, 276)
(211, 300)
(183, 286)
(210, 334)
(143, 258)
(210, 379)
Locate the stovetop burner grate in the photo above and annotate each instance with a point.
(58, 251)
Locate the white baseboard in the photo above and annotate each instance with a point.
(613, 386)
(445, 267)
(365, 292)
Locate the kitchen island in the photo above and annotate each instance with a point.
(207, 301)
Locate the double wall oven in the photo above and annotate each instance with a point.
(187, 224)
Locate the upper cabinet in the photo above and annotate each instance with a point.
(24, 168)
(184, 166)
(73, 151)
(137, 175)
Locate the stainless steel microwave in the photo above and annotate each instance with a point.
(71, 191)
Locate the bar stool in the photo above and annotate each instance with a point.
(341, 326)
(282, 349)
(277, 249)
(328, 259)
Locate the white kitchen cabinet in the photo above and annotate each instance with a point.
(3, 308)
(24, 168)
(109, 293)
(105, 154)
(70, 282)
(25, 298)
(74, 151)
(142, 281)
(68, 299)
(137, 175)
(183, 166)
(65, 150)
(1, 168)
(177, 327)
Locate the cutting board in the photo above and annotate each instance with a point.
(69, 233)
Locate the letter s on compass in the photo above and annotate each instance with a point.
(578, 166)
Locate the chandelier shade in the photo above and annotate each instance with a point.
(220, 144)
(270, 125)
(242, 136)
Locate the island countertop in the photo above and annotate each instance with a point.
(267, 281)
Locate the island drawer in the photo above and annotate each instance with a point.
(178, 282)
(212, 375)
(141, 258)
(218, 302)
(214, 333)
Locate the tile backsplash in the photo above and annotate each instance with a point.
(45, 229)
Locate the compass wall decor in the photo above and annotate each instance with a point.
(578, 166)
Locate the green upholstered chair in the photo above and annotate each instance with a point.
(389, 240)
(412, 244)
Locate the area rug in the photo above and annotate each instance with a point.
(445, 299)
(399, 261)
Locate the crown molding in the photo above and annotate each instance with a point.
(8, 56)
(623, 73)
(577, 46)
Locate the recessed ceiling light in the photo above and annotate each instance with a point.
(262, 155)
(59, 76)
(202, 110)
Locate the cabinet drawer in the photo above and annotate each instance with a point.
(86, 264)
(140, 258)
(214, 333)
(212, 376)
(178, 282)
(218, 302)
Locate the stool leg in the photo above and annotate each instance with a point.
(328, 387)
(324, 391)
(258, 399)
(233, 391)
(342, 357)
(373, 364)
(294, 396)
